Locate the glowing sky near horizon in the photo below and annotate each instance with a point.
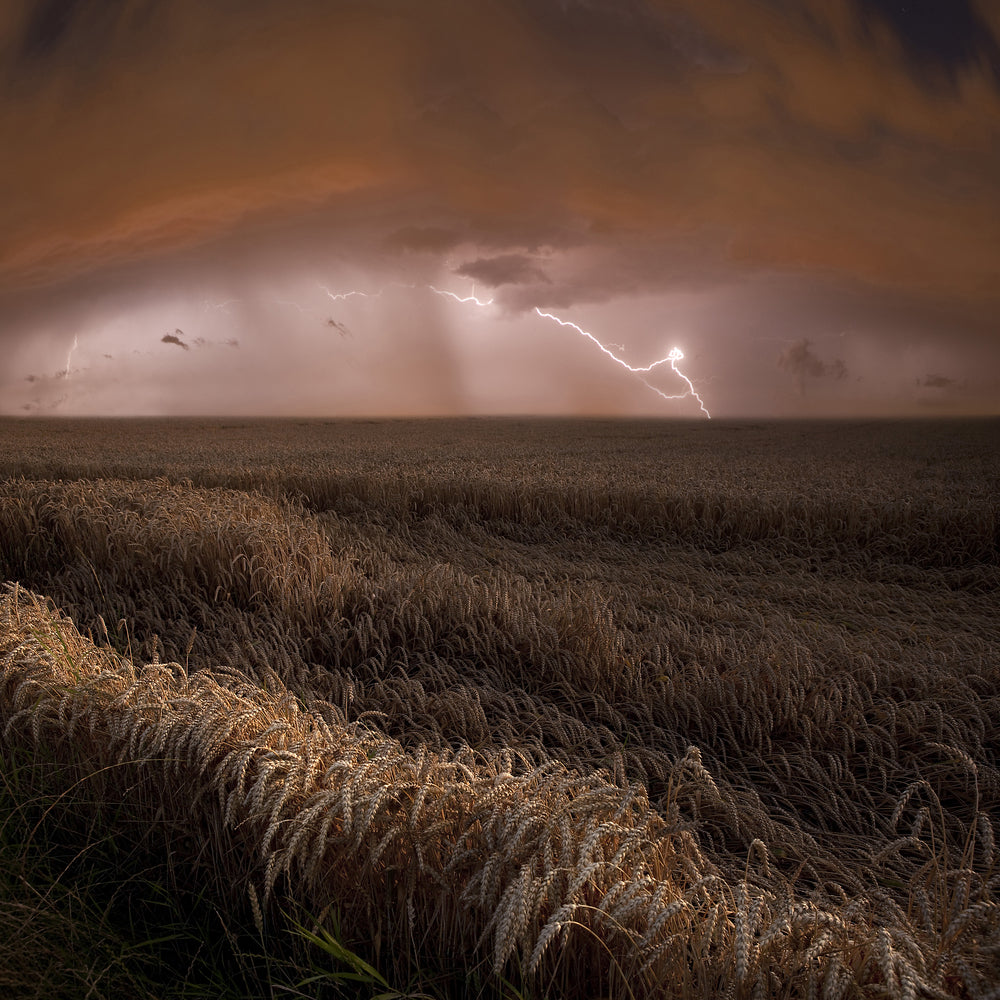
(802, 198)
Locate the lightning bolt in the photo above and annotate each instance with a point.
(288, 303)
(222, 306)
(675, 355)
(458, 298)
(69, 355)
(341, 296)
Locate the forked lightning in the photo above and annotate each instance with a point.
(675, 355)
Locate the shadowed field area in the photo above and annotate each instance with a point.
(570, 708)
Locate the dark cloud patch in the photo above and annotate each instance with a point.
(85, 34)
(174, 338)
(937, 382)
(40, 406)
(48, 391)
(341, 328)
(47, 25)
(506, 269)
(198, 342)
(938, 390)
(947, 36)
(802, 362)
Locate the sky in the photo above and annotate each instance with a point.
(390, 208)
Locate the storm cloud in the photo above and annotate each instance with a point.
(800, 360)
(507, 269)
(719, 175)
(174, 338)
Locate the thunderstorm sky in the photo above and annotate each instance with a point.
(803, 196)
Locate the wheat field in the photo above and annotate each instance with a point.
(554, 708)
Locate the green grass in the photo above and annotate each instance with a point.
(88, 913)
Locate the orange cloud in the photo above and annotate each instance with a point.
(802, 143)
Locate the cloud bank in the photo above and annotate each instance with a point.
(727, 172)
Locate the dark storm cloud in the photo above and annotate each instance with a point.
(47, 24)
(341, 328)
(943, 36)
(802, 362)
(173, 338)
(937, 382)
(507, 269)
